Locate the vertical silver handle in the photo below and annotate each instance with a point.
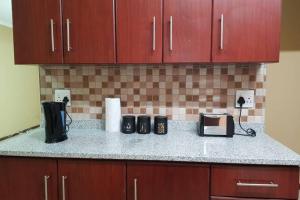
(222, 32)
(46, 186)
(68, 35)
(52, 35)
(135, 189)
(63, 187)
(154, 34)
(171, 33)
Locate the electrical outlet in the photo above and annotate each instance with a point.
(61, 94)
(248, 96)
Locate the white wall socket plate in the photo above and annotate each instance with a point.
(60, 94)
(248, 96)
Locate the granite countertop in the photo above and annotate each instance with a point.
(185, 146)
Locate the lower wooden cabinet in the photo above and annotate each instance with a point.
(236, 198)
(88, 179)
(79, 179)
(40, 179)
(149, 181)
(28, 179)
(254, 181)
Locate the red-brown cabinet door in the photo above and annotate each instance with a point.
(92, 180)
(37, 31)
(246, 30)
(89, 31)
(28, 179)
(235, 198)
(149, 181)
(139, 31)
(281, 182)
(187, 31)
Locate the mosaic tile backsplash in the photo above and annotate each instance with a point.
(179, 91)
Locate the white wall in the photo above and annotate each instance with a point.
(5, 13)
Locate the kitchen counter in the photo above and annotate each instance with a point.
(183, 146)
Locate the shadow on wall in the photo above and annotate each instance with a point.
(290, 35)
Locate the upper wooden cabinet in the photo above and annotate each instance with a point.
(37, 31)
(139, 31)
(161, 181)
(187, 31)
(89, 31)
(146, 31)
(246, 30)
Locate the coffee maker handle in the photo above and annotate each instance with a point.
(68, 125)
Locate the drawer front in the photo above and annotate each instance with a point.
(237, 198)
(254, 181)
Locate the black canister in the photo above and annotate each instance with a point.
(160, 125)
(144, 124)
(128, 124)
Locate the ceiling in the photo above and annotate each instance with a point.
(5, 13)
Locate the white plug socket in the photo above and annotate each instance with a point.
(248, 96)
(60, 94)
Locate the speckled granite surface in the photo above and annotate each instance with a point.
(177, 145)
(172, 125)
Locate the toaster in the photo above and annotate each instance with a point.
(217, 125)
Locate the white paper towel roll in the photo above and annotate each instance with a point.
(112, 114)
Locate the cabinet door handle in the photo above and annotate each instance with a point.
(52, 35)
(269, 185)
(68, 36)
(46, 186)
(63, 180)
(171, 33)
(222, 32)
(154, 34)
(135, 189)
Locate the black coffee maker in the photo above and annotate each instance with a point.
(55, 121)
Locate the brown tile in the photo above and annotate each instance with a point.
(189, 71)
(258, 105)
(149, 72)
(245, 71)
(162, 72)
(195, 85)
(224, 71)
(136, 91)
(209, 98)
(155, 98)
(104, 84)
(238, 85)
(259, 85)
(175, 78)
(252, 78)
(182, 85)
